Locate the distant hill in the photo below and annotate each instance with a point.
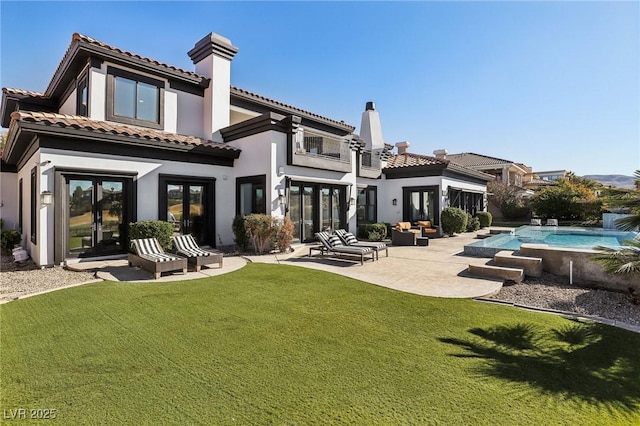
(617, 181)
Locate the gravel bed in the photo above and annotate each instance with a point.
(552, 292)
(20, 279)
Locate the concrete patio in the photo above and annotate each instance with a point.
(437, 270)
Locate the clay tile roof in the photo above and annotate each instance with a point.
(87, 39)
(254, 96)
(13, 91)
(413, 160)
(470, 159)
(78, 122)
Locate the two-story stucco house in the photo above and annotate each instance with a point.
(117, 137)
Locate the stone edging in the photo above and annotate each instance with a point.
(97, 280)
(613, 323)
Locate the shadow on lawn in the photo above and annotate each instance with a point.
(588, 362)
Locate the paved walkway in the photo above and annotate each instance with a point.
(436, 270)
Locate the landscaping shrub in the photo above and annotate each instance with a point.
(453, 220)
(379, 231)
(473, 223)
(514, 211)
(485, 219)
(240, 233)
(8, 239)
(158, 229)
(261, 230)
(284, 233)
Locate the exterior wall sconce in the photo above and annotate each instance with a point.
(281, 196)
(394, 201)
(445, 192)
(280, 171)
(352, 201)
(46, 198)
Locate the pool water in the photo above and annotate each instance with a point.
(555, 236)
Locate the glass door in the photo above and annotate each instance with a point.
(187, 210)
(308, 213)
(97, 216)
(421, 204)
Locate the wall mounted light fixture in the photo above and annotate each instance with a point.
(46, 198)
(394, 201)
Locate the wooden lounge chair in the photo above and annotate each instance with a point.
(350, 240)
(186, 245)
(150, 257)
(332, 244)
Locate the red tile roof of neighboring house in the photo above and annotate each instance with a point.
(470, 159)
(84, 123)
(413, 160)
(409, 160)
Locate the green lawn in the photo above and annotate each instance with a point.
(273, 344)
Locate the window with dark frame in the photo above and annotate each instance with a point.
(250, 195)
(367, 205)
(134, 99)
(82, 93)
(34, 201)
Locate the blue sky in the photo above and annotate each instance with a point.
(554, 85)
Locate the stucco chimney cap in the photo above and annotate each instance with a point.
(370, 106)
(215, 44)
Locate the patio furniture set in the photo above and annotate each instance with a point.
(150, 256)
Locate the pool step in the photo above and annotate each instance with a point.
(532, 266)
(501, 272)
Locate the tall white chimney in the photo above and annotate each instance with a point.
(212, 56)
(370, 128)
(403, 147)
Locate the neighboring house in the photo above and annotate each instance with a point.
(505, 171)
(117, 137)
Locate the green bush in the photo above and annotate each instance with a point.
(158, 229)
(453, 220)
(514, 211)
(473, 223)
(377, 228)
(8, 239)
(485, 219)
(241, 235)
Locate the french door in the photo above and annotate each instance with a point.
(187, 203)
(421, 203)
(97, 214)
(314, 207)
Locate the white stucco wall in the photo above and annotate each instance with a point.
(98, 93)
(170, 110)
(9, 200)
(389, 189)
(69, 106)
(216, 96)
(189, 114)
(34, 250)
(147, 188)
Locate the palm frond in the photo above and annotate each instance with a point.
(623, 260)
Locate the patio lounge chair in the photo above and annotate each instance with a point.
(536, 222)
(348, 239)
(552, 222)
(150, 257)
(186, 245)
(332, 244)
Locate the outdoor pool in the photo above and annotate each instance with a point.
(555, 236)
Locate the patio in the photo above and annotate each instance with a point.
(436, 270)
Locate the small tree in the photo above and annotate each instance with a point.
(261, 230)
(284, 233)
(453, 220)
(508, 199)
